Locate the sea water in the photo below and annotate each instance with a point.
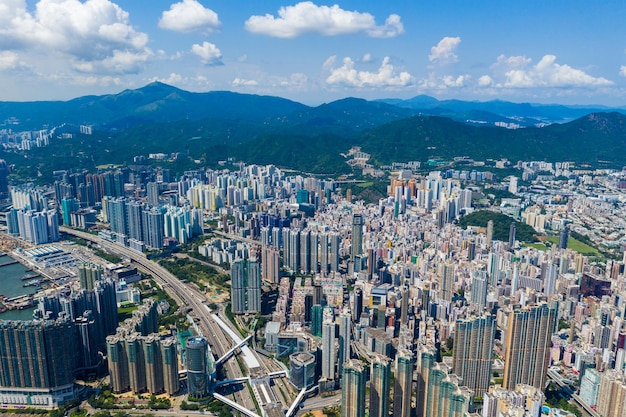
(11, 285)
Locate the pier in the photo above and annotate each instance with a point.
(11, 262)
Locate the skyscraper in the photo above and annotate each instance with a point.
(345, 336)
(329, 351)
(446, 277)
(472, 353)
(512, 235)
(136, 363)
(403, 383)
(357, 236)
(197, 367)
(426, 356)
(379, 386)
(170, 365)
(353, 389)
(489, 234)
(317, 319)
(245, 286)
(527, 354)
(118, 364)
(563, 238)
(88, 275)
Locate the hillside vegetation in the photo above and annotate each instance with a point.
(501, 225)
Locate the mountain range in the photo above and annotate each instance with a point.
(264, 129)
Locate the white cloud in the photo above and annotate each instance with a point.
(548, 73)
(451, 81)
(171, 79)
(443, 52)
(435, 82)
(307, 17)
(485, 81)
(622, 71)
(295, 80)
(8, 60)
(386, 76)
(329, 63)
(237, 82)
(209, 53)
(367, 58)
(518, 61)
(189, 16)
(88, 33)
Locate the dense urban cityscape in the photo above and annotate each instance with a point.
(319, 301)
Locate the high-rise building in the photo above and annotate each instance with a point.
(446, 277)
(379, 386)
(345, 336)
(480, 286)
(489, 233)
(136, 363)
(198, 371)
(403, 383)
(512, 235)
(353, 389)
(88, 275)
(302, 369)
(169, 355)
(152, 193)
(154, 364)
(357, 236)
(270, 264)
(426, 356)
(329, 351)
(245, 286)
(527, 348)
(305, 251)
(118, 364)
(317, 312)
(473, 351)
(37, 361)
(563, 238)
(335, 242)
(153, 228)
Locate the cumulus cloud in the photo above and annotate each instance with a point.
(237, 82)
(547, 73)
(435, 82)
(171, 79)
(307, 17)
(189, 16)
(444, 51)
(89, 32)
(8, 60)
(367, 57)
(209, 53)
(386, 76)
(622, 71)
(485, 81)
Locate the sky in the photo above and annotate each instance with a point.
(556, 51)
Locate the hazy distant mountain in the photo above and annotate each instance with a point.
(525, 114)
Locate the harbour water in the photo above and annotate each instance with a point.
(11, 285)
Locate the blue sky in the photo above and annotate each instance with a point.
(570, 52)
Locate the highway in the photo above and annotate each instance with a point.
(184, 295)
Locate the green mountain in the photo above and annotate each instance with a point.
(596, 139)
(156, 102)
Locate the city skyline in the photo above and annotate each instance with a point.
(316, 52)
